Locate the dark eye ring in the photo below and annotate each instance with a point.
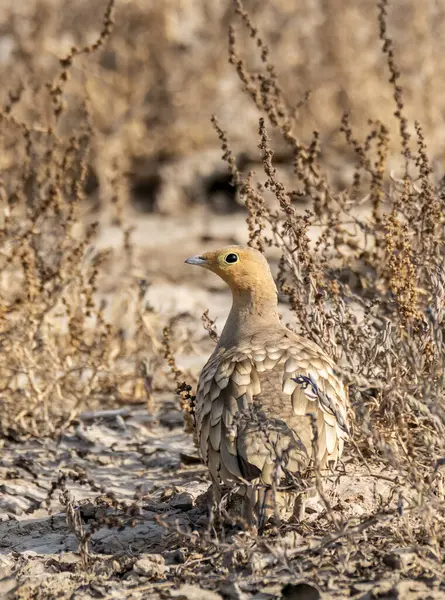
(231, 258)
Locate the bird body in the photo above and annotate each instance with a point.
(269, 405)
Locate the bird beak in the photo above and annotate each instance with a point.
(196, 260)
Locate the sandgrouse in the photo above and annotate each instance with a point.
(269, 405)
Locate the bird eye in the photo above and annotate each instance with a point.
(231, 258)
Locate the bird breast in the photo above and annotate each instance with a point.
(269, 407)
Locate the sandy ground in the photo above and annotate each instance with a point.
(151, 551)
(132, 483)
(142, 462)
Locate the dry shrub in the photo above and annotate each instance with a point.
(64, 348)
(363, 270)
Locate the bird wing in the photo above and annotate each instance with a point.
(269, 395)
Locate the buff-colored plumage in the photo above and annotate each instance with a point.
(265, 390)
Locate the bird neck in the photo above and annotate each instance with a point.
(252, 311)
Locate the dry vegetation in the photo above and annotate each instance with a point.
(340, 113)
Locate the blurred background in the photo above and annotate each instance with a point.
(151, 89)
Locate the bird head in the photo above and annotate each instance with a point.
(244, 269)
